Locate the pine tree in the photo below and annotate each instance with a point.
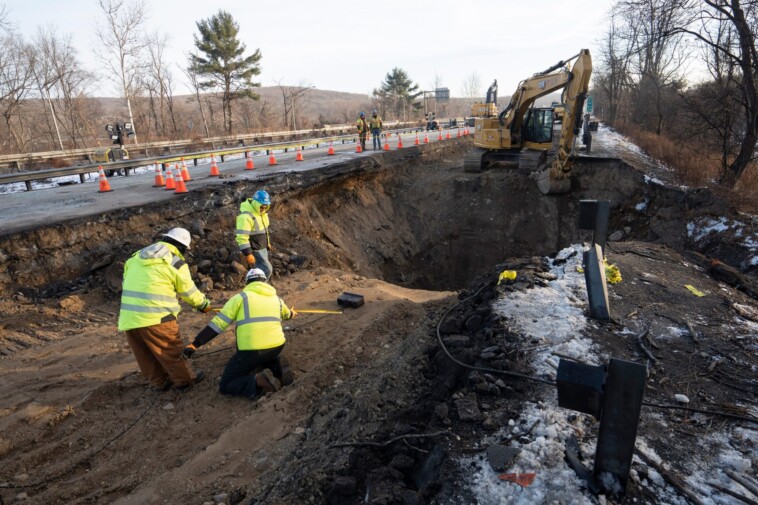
(398, 93)
(223, 64)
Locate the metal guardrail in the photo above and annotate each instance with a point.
(126, 165)
(10, 160)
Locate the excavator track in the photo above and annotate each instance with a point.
(473, 160)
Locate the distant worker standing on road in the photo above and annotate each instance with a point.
(375, 123)
(362, 130)
(258, 312)
(153, 277)
(252, 234)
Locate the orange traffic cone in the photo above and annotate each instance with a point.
(416, 142)
(426, 138)
(358, 148)
(180, 186)
(399, 141)
(214, 167)
(299, 156)
(249, 165)
(459, 133)
(185, 173)
(104, 184)
(170, 184)
(271, 157)
(439, 137)
(386, 143)
(330, 152)
(159, 181)
(447, 135)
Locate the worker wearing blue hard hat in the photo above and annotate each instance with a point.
(362, 130)
(252, 233)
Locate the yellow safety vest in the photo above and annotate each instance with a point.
(258, 312)
(362, 126)
(252, 227)
(153, 277)
(375, 122)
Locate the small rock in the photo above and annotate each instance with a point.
(72, 303)
(168, 406)
(206, 285)
(501, 457)
(22, 477)
(299, 430)
(467, 408)
(616, 236)
(220, 498)
(300, 261)
(441, 410)
(205, 265)
(490, 424)
(21, 497)
(681, 399)
(239, 268)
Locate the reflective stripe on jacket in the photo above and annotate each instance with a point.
(252, 228)
(375, 122)
(258, 312)
(153, 277)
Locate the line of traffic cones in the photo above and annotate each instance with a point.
(214, 168)
(105, 186)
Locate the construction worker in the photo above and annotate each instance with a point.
(258, 313)
(362, 130)
(153, 277)
(375, 123)
(252, 232)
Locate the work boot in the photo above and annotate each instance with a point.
(265, 382)
(199, 376)
(287, 377)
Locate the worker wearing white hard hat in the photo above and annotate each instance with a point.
(153, 278)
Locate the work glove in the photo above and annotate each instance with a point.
(250, 260)
(205, 307)
(188, 351)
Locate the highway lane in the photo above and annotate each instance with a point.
(28, 209)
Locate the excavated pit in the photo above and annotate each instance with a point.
(411, 217)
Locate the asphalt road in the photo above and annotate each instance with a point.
(28, 209)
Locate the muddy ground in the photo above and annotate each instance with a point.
(413, 234)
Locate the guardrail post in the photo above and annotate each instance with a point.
(222, 157)
(28, 185)
(195, 160)
(81, 178)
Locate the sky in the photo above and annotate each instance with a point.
(351, 46)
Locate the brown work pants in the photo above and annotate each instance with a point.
(158, 350)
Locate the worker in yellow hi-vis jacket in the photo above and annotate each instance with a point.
(153, 277)
(252, 233)
(258, 313)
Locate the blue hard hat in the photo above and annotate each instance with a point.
(363, 113)
(262, 197)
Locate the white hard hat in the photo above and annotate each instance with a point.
(255, 274)
(180, 235)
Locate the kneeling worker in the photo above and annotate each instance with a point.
(258, 312)
(153, 277)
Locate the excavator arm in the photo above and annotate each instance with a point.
(555, 179)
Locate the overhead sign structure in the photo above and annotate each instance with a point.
(442, 94)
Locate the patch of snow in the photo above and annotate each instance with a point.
(642, 206)
(653, 180)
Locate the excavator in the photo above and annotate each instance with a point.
(523, 134)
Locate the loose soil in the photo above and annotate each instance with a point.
(419, 239)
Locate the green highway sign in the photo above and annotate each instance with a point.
(589, 104)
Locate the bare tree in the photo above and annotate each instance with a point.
(471, 87)
(294, 99)
(17, 60)
(158, 81)
(5, 25)
(122, 44)
(737, 53)
(194, 83)
(613, 77)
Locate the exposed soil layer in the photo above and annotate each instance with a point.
(405, 229)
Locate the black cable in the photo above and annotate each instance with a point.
(701, 411)
(479, 368)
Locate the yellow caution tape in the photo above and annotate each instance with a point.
(694, 290)
(507, 275)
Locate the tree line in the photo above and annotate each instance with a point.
(47, 95)
(684, 72)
